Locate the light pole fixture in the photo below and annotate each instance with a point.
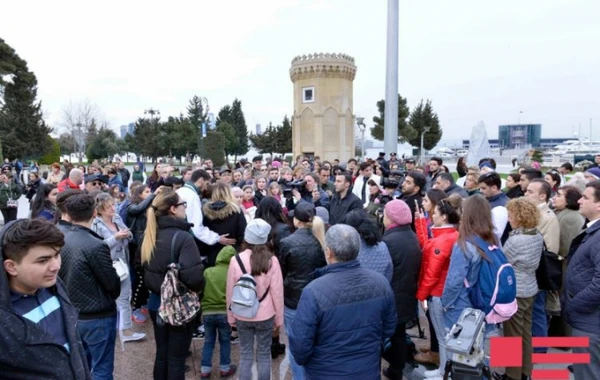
(425, 130)
(360, 121)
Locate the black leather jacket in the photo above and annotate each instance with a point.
(136, 215)
(300, 254)
(87, 272)
(186, 254)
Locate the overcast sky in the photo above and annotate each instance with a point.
(475, 60)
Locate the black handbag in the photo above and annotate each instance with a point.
(549, 273)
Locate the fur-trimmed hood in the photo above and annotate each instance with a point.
(219, 210)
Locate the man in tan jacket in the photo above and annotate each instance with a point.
(539, 191)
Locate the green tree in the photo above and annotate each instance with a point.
(148, 138)
(22, 129)
(234, 115)
(104, 145)
(195, 112)
(53, 154)
(67, 143)
(283, 137)
(265, 142)
(405, 132)
(421, 117)
(215, 141)
(230, 138)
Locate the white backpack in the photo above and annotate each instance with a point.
(244, 300)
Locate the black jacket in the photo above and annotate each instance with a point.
(186, 254)
(32, 189)
(340, 207)
(299, 255)
(406, 257)
(87, 272)
(515, 192)
(222, 218)
(279, 232)
(28, 352)
(136, 218)
(455, 189)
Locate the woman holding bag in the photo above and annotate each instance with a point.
(167, 233)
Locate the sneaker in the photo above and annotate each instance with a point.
(234, 339)
(433, 373)
(231, 372)
(145, 310)
(205, 375)
(138, 317)
(199, 333)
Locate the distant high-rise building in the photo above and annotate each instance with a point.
(212, 123)
(258, 129)
(127, 130)
(519, 136)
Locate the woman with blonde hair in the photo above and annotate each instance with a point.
(523, 250)
(109, 225)
(223, 215)
(167, 234)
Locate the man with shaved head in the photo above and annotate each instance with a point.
(74, 181)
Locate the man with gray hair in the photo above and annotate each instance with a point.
(343, 298)
(74, 181)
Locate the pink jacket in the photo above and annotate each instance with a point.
(272, 305)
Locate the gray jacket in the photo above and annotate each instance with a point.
(119, 248)
(523, 250)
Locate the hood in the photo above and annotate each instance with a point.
(439, 231)
(4, 288)
(219, 210)
(225, 255)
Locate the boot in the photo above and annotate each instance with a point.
(275, 347)
(428, 358)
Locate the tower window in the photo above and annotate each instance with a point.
(308, 94)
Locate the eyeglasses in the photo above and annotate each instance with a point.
(96, 183)
(184, 204)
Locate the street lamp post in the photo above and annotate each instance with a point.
(425, 130)
(361, 125)
(205, 109)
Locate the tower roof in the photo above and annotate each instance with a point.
(323, 65)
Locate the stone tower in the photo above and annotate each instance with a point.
(323, 121)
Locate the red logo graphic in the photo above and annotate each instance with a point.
(508, 352)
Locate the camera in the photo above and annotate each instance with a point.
(390, 183)
(289, 186)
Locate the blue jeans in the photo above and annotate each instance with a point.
(98, 337)
(212, 324)
(249, 333)
(436, 313)
(297, 370)
(539, 322)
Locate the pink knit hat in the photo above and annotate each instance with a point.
(276, 164)
(398, 212)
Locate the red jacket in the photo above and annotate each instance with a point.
(66, 184)
(436, 258)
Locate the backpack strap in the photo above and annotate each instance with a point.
(264, 295)
(173, 247)
(240, 263)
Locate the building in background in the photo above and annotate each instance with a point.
(258, 129)
(518, 136)
(323, 119)
(127, 130)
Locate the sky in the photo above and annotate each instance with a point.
(476, 61)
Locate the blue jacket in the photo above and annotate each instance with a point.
(581, 295)
(463, 265)
(342, 319)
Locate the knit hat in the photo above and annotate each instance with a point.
(595, 171)
(276, 164)
(304, 212)
(257, 232)
(486, 164)
(398, 212)
(323, 214)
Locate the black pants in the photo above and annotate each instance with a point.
(9, 214)
(139, 291)
(398, 352)
(172, 346)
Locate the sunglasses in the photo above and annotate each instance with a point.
(96, 183)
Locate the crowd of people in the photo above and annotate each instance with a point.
(342, 256)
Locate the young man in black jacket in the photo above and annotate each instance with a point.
(92, 284)
(343, 201)
(38, 322)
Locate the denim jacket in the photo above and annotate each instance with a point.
(463, 265)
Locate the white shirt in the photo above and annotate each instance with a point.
(358, 185)
(193, 213)
(592, 222)
(499, 219)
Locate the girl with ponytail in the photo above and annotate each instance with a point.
(167, 230)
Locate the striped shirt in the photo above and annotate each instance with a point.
(44, 310)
